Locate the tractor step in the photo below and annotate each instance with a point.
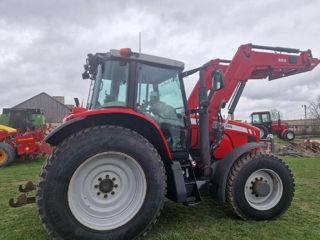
(22, 200)
(192, 203)
(192, 182)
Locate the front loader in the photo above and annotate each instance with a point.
(142, 140)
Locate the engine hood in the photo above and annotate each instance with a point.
(242, 127)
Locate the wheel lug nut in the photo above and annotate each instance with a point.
(96, 186)
(107, 176)
(261, 178)
(113, 179)
(112, 192)
(116, 185)
(100, 179)
(256, 179)
(98, 193)
(105, 196)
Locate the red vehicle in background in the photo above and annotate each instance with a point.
(262, 120)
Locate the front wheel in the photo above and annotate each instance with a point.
(260, 187)
(104, 182)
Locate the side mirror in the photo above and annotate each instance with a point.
(85, 75)
(222, 104)
(217, 78)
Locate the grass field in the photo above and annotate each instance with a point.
(209, 220)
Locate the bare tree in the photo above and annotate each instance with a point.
(275, 114)
(314, 108)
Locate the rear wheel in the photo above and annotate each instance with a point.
(289, 135)
(104, 182)
(260, 187)
(7, 154)
(263, 133)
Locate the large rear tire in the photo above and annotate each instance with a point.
(7, 154)
(104, 182)
(260, 187)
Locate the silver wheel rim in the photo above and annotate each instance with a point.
(267, 202)
(261, 133)
(107, 191)
(290, 135)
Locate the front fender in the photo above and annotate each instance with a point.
(59, 133)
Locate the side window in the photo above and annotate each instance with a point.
(143, 94)
(159, 97)
(265, 117)
(170, 93)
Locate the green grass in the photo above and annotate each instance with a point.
(315, 138)
(207, 221)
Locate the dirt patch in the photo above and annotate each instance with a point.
(306, 207)
(307, 148)
(4, 188)
(19, 182)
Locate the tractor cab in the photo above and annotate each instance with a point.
(260, 117)
(262, 120)
(22, 118)
(149, 85)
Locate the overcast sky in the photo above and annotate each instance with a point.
(43, 44)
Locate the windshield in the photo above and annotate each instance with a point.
(110, 88)
(255, 118)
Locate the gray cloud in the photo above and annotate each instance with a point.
(43, 44)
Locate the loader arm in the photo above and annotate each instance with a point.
(249, 64)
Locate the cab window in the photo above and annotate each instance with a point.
(255, 118)
(265, 117)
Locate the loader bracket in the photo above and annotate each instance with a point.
(21, 201)
(30, 186)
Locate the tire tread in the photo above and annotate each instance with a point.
(242, 161)
(63, 145)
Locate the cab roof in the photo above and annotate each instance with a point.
(260, 112)
(149, 58)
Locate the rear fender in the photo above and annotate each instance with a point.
(141, 124)
(221, 169)
(283, 132)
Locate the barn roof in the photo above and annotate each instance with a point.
(43, 93)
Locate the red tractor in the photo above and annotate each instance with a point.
(142, 140)
(262, 120)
